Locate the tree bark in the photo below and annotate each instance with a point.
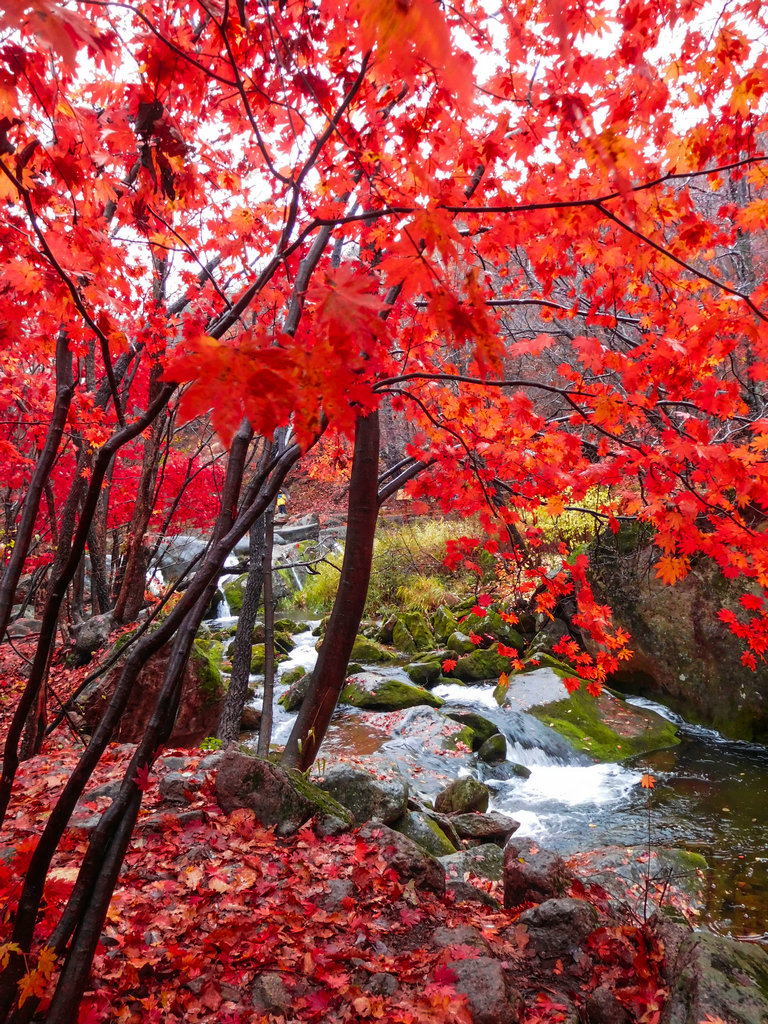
(265, 728)
(232, 712)
(330, 671)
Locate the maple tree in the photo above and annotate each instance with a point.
(537, 233)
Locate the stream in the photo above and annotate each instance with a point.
(710, 794)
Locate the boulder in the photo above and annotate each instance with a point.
(424, 673)
(369, 652)
(482, 728)
(202, 697)
(482, 664)
(294, 696)
(684, 655)
(493, 750)
(490, 999)
(365, 796)
(487, 861)
(463, 796)
(491, 827)
(405, 858)
(234, 591)
(713, 977)
(277, 797)
(250, 720)
(373, 691)
(426, 832)
(532, 874)
(443, 623)
(412, 633)
(90, 636)
(459, 643)
(557, 928)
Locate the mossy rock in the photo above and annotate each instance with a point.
(605, 727)
(464, 735)
(493, 624)
(258, 659)
(493, 750)
(424, 673)
(444, 623)
(459, 643)
(293, 697)
(234, 591)
(425, 832)
(480, 664)
(412, 633)
(368, 690)
(462, 796)
(370, 652)
(207, 656)
(482, 728)
(293, 676)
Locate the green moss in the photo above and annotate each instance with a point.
(585, 722)
(387, 695)
(465, 736)
(207, 663)
(370, 652)
(324, 803)
(289, 678)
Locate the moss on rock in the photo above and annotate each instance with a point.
(370, 652)
(605, 727)
(367, 690)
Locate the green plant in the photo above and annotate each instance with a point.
(211, 743)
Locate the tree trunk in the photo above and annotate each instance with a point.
(232, 712)
(330, 671)
(265, 728)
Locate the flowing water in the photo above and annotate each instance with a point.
(710, 794)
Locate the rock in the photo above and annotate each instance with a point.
(174, 786)
(234, 591)
(407, 859)
(459, 643)
(487, 861)
(604, 1008)
(463, 892)
(605, 727)
(492, 624)
(426, 832)
(412, 633)
(715, 976)
(482, 664)
(370, 690)
(490, 827)
(462, 796)
(489, 998)
(424, 673)
(91, 636)
(443, 623)
(558, 927)
(201, 698)
(293, 698)
(250, 720)
(270, 994)
(463, 935)
(24, 627)
(293, 675)
(364, 796)
(493, 750)
(481, 727)
(370, 652)
(277, 797)
(501, 771)
(532, 875)
(683, 654)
